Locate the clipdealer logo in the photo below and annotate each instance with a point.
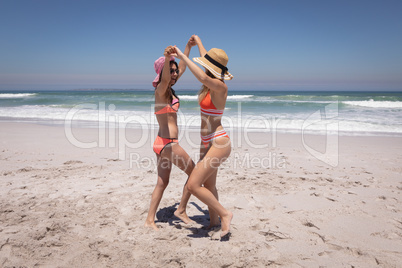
(109, 123)
(328, 119)
(235, 160)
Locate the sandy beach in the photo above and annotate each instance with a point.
(65, 206)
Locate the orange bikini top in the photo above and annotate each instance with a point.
(170, 108)
(208, 108)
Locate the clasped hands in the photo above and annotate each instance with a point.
(176, 52)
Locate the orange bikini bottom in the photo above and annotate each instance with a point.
(160, 143)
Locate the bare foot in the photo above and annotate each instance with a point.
(183, 216)
(151, 225)
(213, 225)
(225, 222)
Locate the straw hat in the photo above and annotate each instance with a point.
(215, 61)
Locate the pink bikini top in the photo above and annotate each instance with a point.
(170, 108)
(208, 108)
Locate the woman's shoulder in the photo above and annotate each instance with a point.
(220, 91)
(161, 89)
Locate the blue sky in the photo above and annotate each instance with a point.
(272, 45)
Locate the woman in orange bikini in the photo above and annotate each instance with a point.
(215, 143)
(166, 145)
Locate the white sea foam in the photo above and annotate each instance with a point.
(232, 122)
(375, 104)
(64, 115)
(239, 97)
(188, 97)
(15, 95)
(287, 112)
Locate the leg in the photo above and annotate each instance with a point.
(210, 184)
(202, 172)
(164, 168)
(178, 156)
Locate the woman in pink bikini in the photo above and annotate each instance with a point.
(166, 145)
(215, 143)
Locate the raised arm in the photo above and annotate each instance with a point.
(212, 84)
(201, 48)
(166, 77)
(182, 65)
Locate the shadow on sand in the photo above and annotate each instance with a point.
(166, 214)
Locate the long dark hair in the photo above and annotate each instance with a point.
(169, 93)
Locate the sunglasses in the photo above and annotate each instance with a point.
(174, 71)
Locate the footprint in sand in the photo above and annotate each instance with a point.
(274, 235)
(258, 226)
(309, 224)
(322, 237)
(72, 162)
(113, 160)
(324, 253)
(335, 247)
(381, 198)
(25, 169)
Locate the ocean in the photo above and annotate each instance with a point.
(316, 112)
